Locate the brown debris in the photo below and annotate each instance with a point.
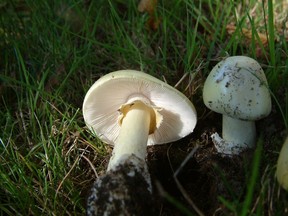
(150, 6)
(248, 34)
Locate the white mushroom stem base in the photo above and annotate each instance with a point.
(125, 190)
(238, 135)
(133, 135)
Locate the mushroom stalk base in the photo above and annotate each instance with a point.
(125, 190)
(238, 135)
(133, 135)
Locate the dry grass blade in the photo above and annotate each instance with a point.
(68, 173)
(180, 187)
(181, 80)
(91, 165)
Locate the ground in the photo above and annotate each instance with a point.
(207, 175)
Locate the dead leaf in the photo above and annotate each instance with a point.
(147, 6)
(248, 37)
(231, 28)
(153, 23)
(150, 6)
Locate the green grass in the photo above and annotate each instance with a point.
(53, 51)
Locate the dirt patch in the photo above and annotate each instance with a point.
(208, 176)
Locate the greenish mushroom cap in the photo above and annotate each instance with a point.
(237, 87)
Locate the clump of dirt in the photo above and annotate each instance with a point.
(125, 189)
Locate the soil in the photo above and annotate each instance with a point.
(207, 175)
(117, 191)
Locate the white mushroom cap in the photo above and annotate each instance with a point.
(175, 114)
(237, 87)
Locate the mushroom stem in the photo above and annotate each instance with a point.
(133, 136)
(238, 135)
(242, 133)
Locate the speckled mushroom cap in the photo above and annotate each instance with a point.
(237, 87)
(103, 102)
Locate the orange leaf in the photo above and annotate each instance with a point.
(247, 34)
(147, 6)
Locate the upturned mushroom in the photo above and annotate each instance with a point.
(129, 110)
(237, 88)
(282, 166)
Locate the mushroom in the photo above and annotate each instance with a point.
(282, 166)
(129, 110)
(237, 88)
